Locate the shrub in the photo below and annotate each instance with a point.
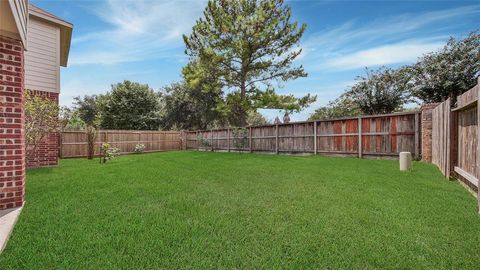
(108, 152)
(41, 119)
(139, 148)
(203, 141)
(240, 138)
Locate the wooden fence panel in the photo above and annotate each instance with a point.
(467, 140)
(441, 137)
(296, 137)
(390, 135)
(74, 143)
(263, 139)
(467, 164)
(455, 137)
(338, 136)
(380, 135)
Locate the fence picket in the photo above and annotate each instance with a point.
(74, 143)
(378, 133)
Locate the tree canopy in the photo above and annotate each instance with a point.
(343, 106)
(131, 105)
(448, 72)
(186, 107)
(247, 44)
(435, 76)
(380, 91)
(87, 108)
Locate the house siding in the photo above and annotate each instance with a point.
(42, 59)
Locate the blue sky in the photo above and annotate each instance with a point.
(142, 41)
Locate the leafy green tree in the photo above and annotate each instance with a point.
(246, 44)
(131, 106)
(75, 123)
(88, 107)
(343, 106)
(256, 119)
(448, 72)
(380, 91)
(185, 107)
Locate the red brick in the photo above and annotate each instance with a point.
(426, 131)
(12, 166)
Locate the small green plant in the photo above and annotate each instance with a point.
(139, 148)
(240, 138)
(203, 141)
(108, 152)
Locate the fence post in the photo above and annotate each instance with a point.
(276, 139)
(360, 146)
(196, 140)
(417, 137)
(478, 143)
(228, 139)
(250, 138)
(315, 137)
(211, 139)
(182, 144)
(60, 142)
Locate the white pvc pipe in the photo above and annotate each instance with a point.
(405, 161)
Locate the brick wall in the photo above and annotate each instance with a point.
(46, 153)
(427, 131)
(12, 143)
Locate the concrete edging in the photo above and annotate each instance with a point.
(8, 219)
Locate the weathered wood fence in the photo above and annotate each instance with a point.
(74, 143)
(442, 135)
(455, 138)
(377, 135)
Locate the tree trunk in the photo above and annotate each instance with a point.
(238, 116)
(241, 112)
(243, 90)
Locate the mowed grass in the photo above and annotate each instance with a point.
(203, 210)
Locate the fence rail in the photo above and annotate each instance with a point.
(74, 143)
(377, 135)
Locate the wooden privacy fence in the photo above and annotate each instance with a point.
(442, 135)
(455, 137)
(74, 143)
(377, 135)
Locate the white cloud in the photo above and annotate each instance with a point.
(138, 30)
(390, 28)
(382, 41)
(383, 55)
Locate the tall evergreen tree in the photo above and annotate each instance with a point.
(248, 43)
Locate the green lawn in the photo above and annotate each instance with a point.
(203, 210)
